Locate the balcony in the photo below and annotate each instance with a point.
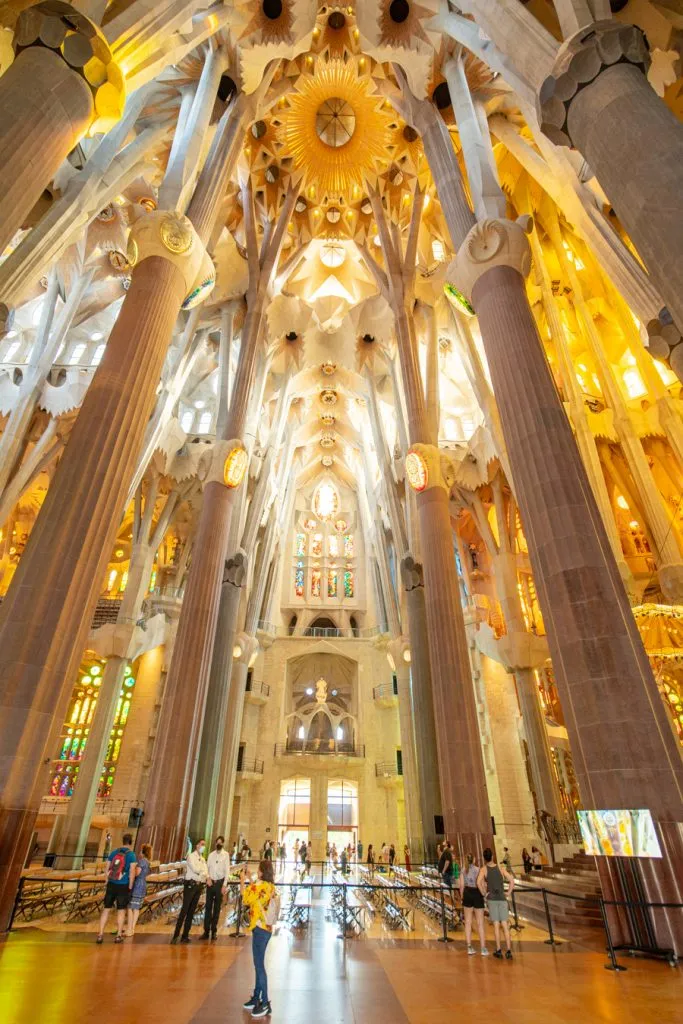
(388, 774)
(321, 632)
(256, 692)
(320, 748)
(250, 768)
(385, 695)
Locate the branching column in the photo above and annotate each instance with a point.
(62, 79)
(624, 750)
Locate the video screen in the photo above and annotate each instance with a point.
(619, 833)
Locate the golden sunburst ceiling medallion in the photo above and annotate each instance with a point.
(334, 127)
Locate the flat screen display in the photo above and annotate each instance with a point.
(619, 833)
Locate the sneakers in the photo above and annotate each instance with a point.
(185, 938)
(99, 940)
(203, 938)
(261, 1010)
(508, 954)
(484, 951)
(498, 954)
(470, 951)
(251, 1003)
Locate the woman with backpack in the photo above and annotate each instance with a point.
(264, 909)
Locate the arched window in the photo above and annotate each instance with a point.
(325, 501)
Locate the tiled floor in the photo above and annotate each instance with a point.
(59, 976)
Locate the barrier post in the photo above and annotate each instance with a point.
(342, 934)
(445, 937)
(612, 965)
(516, 926)
(237, 934)
(551, 941)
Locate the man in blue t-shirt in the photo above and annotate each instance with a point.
(122, 869)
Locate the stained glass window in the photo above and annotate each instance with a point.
(153, 579)
(332, 578)
(348, 583)
(299, 579)
(317, 545)
(325, 501)
(340, 525)
(348, 546)
(333, 546)
(75, 733)
(301, 543)
(316, 578)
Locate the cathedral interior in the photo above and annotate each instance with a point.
(341, 445)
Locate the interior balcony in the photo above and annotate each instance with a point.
(257, 692)
(388, 774)
(385, 695)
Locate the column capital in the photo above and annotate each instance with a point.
(247, 646)
(665, 342)
(172, 237)
(398, 648)
(80, 43)
(491, 243)
(426, 467)
(580, 60)
(412, 575)
(225, 463)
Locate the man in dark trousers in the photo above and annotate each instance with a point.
(218, 866)
(196, 874)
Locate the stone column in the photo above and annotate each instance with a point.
(45, 616)
(411, 787)
(597, 99)
(624, 749)
(422, 704)
(242, 654)
(62, 79)
(318, 827)
(216, 720)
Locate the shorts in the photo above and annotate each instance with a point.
(447, 879)
(136, 901)
(117, 894)
(498, 910)
(472, 898)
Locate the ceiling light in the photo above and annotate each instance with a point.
(96, 336)
(309, 691)
(199, 404)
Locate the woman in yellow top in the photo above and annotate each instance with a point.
(257, 895)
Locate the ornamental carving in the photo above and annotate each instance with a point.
(176, 234)
(328, 396)
(491, 243)
(582, 59)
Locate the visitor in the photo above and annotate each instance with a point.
(107, 846)
(392, 857)
(527, 861)
(217, 866)
(473, 904)
(309, 857)
(327, 850)
(359, 849)
(283, 856)
(406, 858)
(445, 867)
(491, 879)
(268, 850)
(344, 861)
(120, 881)
(536, 858)
(196, 874)
(142, 869)
(233, 853)
(384, 852)
(302, 854)
(245, 853)
(507, 860)
(264, 909)
(371, 860)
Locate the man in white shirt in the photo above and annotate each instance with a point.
(196, 874)
(218, 865)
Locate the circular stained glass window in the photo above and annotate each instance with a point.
(335, 122)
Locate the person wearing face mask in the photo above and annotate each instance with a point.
(196, 874)
(218, 866)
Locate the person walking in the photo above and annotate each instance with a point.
(107, 846)
(283, 857)
(196, 874)
(264, 909)
(217, 866)
(371, 859)
(490, 880)
(473, 905)
(507, 860)
(142, 869)
(120, 881)
(536, 858)
(392, 857)
(406, 858)
(527, 861)
(359, 850)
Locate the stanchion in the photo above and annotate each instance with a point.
(516, 926)
(551, 941)
(445, 937)
(612, 965)
(237, 934)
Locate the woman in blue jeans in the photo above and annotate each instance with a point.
(257, 896)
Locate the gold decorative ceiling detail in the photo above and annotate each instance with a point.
(335, 168)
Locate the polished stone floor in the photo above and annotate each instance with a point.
(51, 975)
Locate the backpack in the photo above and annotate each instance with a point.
(117, 865)
(273, 910)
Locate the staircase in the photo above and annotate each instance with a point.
(577, 879)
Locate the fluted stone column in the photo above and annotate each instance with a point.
(411, 787)
(597, 99)
(216, 721)
(48, 100)
(318, 827)
(246, 646)
(422, 703)
(624, 750)
(45, 616)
